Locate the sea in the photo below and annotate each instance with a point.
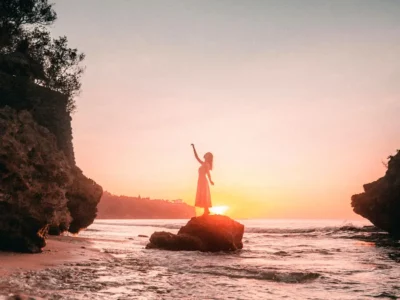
(281, 259)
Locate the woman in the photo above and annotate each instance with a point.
(203, 196)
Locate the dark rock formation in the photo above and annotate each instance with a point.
(48, 108)
(175, 242)
(83, 196)
(206, 233)
(40, 188)
(34, 177)
(380, 202)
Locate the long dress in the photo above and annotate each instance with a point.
(203, 195)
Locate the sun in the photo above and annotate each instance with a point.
(219, 210)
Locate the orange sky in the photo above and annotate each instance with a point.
(298, 100)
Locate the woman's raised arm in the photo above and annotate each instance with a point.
(196, 156)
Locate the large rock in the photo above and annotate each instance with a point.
(34, 177)
(40, 187)
(380, 202)
(48, 108)
(83, 196)
(206, 233)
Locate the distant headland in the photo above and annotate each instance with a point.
(125, 207)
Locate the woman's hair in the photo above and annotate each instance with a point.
(209, 158)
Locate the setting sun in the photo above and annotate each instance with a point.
(219, 210)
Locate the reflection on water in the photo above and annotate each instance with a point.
(281, 259)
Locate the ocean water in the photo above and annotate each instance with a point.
(281, 259)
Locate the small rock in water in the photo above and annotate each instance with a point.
(206, 233)
(142, 235)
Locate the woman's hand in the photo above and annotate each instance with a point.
(195, 154)
(212, 182)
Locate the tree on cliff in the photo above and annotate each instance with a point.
(22, 22)
(60, 63)
(14, 14)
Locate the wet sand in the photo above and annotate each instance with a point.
(58, 252)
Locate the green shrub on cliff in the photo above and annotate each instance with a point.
(25, 43)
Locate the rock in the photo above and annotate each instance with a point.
(175, 242)
(41, 189)
(142, 235)
(380, 202)
(83, 196)
(206, 233)
(58, 229)
(34, 176)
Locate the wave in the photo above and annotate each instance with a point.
(319, 230)
(167, 226)
(270, 275)
(310, 230)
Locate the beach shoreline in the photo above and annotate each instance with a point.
(347, 258)
(59, 251)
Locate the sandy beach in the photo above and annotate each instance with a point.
(59, 251)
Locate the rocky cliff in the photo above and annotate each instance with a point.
(41, 188)
(380, 202)
(34, 178)
(48, 108)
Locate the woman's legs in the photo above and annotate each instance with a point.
(206, 211)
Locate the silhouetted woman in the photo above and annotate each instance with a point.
(203, 195)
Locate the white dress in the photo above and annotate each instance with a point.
(203, 195)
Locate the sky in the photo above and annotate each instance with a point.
(299, 101)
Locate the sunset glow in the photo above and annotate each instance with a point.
(219, 210)
(298, 103)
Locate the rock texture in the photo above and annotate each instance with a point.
(34, 177)
(83, 197)
(380, 202)
(48, 108)
(40, 188)
(206, 233)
